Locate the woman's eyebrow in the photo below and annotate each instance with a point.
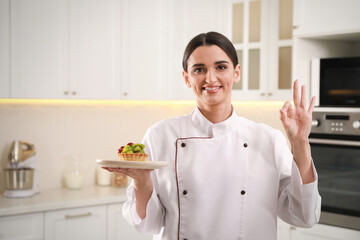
(198, 65)
(202, 65)
(223, 61)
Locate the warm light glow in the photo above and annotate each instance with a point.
(129, 102)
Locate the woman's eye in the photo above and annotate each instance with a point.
(221, 67)
(198, 70)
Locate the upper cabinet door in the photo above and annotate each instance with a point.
(94, 49)
(144, 49)
(326, 17)
(65, 49)
(4, 49)
(262, 36)
(39, 48)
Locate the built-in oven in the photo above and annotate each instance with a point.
(335, 146)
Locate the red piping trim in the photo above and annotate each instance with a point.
(176, 175)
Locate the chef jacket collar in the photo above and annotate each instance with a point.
(213, 129)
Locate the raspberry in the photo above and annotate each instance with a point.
(121, 149)
(130, 144)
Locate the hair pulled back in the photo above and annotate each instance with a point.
(208, 39)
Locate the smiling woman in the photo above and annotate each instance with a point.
(222, 169)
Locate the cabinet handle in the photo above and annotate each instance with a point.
(73, 93)
(295, 27)
(262, 94)
(66, 92)
(88, 214)
(292, 228)
(125, 94)
(270, 94)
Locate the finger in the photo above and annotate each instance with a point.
(312, 105)
(286, 106)
(303, 97)
(284, 110)
(296, 98)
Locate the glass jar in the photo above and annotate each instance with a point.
(73, 174)
(119, 179)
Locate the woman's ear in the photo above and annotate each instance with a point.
(186, 79)
(237, 73)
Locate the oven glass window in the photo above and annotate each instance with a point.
(338, 169)
(339, 82)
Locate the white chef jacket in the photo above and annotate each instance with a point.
(228, 180)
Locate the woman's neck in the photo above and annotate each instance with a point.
(216, 114)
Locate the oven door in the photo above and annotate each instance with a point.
(338, 165)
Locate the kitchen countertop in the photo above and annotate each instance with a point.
(61, 198)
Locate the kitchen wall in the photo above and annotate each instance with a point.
(93, 129)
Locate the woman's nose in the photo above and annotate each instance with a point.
(210, 76)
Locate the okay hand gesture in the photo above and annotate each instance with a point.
(297, 119)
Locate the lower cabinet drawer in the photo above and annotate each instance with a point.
(21, 227)
(77, 223)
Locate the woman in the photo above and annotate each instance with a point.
(228, 177)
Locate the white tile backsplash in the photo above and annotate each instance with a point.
(92, 130)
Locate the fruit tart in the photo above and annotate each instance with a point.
(132, 152)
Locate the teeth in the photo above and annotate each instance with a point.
(211, 88)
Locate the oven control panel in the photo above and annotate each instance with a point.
(343, 121)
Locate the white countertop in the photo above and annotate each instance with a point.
(61, 198)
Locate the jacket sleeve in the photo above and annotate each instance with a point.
(155, 212)
(298, 204)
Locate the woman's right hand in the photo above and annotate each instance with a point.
(140, 176)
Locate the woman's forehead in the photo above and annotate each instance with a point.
(208, 54)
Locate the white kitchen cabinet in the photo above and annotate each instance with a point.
(4, 49)
(77, 223)
(324, 232)
(38, 49)
(262, 36)
(144, 49)
(326, 17)
(317, 232)
(64, 49)
(21, 227)
(95, 49)
(119, 228)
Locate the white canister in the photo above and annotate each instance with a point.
(103, 177)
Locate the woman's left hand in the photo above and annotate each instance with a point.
(297, 120)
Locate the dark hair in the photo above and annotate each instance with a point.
(208, 39)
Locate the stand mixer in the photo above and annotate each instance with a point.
(21, 176)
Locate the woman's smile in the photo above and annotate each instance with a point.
(212, 89)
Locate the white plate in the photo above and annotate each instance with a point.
(128, 164)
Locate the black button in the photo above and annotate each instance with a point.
(183, 144)
(245, 144)
(185, 192)
(243, 192)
